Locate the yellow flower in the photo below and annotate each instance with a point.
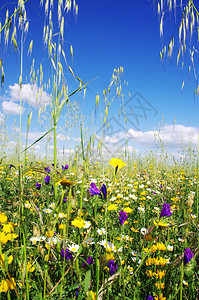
(160, 297)
(117, 163)
(112, 207)
(92, 295)
(29, 267)
(9, 258)
(50, 233)
(149, 273)
(6, 285)
(3, 238)
(127, 210)
(134, 229)
(161, 246)
(160, 223)
(160, 285)
(3, 218)
(7, 228)
(79, 223)
(160, 274)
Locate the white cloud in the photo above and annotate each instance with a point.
(30, 94)
(12, 108)
(170, 135)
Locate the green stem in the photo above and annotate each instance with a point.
(181, 280)
(26, 269)
(55, 159)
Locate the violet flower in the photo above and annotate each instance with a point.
(65, 199)
(89, 262)
(65, 167)
(112, 267)
(38, 186)
(187, 255)
(95, 191)
(166, 210)
(47, 179)
(47, 170)
(67, 254)
(123, 217)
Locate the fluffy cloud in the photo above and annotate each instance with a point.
(170, 135)
(11, 108)
(30, 94)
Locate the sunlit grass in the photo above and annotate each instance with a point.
(90, 249)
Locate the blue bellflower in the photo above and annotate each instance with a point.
(95, 191)
(187, 255)
(166, 210)
(112, 267)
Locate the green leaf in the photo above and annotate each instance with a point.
(87, 280)
(38, 139)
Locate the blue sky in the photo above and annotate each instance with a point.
(104, 36)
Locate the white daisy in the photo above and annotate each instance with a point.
(47, 210)
(34, 239)
(101, 231)
(170, 248)
(87, 224)
(144, 231)
(90, 241)
(73, 248)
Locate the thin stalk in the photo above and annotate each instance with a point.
(55, 158)
(26, 269)
(20, 117)
(181, 280)
(197, 193)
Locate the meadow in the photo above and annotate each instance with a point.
(81, 227)
(122, 230)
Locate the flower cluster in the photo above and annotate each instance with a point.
(112, 267)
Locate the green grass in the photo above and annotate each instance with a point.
(139, 257)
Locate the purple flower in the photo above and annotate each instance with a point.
(65, 199)
(89, 261)
(95, 191)
(67, 254)
(47, 179)
(112, 267)
(38, 185)
(149, 297)
(123, 217)
(104, 190)
(11, 166)
(187, 255)
(77, 291)
(65, 167)
(166, 210)
(47, 170)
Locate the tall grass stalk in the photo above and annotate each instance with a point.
(181, 280)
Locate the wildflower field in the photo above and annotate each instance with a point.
(118, 231)
(76, 226)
